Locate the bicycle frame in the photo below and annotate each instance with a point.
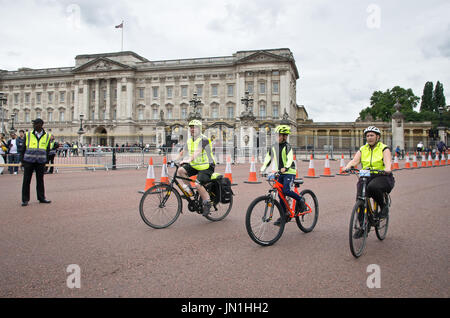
(175, 179)
(367, 204)
(279, 187)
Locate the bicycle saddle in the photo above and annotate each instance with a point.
(298, 181)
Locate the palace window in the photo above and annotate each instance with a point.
(230, 90)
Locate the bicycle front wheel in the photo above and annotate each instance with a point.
(307, 221)
(160, 206)
(260, 220)
(358, 229)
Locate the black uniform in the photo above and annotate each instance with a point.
(28, 173)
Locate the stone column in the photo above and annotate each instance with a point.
(130, 99)
(108, 99)
(86, 99)
(97, 100)
(119, 109)
(398, 135)
(76, 106)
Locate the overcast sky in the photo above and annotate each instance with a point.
(344, 50)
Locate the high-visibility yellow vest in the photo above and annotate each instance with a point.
(287, 159)
(203, 161)
(36, 150)
(372, 158)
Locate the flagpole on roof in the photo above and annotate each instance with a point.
(122, 36)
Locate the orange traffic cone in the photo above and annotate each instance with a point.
(407, 163)
(443, 161)
(296, 167)
(228, 173)
(150, 181)
(326, 170)
(341, 167)
(448, 159)
(414, 164)
(396, 166)
(430, 160)
(436, 160)
(252, 176)
(311, 171)
(164, 172)
(424, 161)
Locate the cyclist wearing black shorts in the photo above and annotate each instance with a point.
(375, 155)
(200, 162)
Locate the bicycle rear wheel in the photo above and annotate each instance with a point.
(160, 206)
(219, 210)
(383, 224)
(261, 215)
(358, 229)
(308, 221)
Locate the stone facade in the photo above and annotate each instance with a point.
(125, 98)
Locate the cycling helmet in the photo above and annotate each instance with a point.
(195, 122)
(283, 129)
(372, 129)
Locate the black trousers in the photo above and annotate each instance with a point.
(376, 187)
(27, 174)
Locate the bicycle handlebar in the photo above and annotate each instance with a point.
(354, 170)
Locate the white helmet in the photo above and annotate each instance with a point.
(372, 129)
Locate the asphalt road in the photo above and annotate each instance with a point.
(94, 222)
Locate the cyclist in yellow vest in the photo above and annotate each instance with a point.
(33, 157)
(200, 162)
(375, 155)
(281, 156)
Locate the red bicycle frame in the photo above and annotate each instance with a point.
(279, 188)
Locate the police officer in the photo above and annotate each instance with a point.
(33, 158)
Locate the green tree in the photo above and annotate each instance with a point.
(382, 104)
(438, 97)
(427, 97)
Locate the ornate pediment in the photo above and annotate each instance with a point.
(262, 57)
(102, 64)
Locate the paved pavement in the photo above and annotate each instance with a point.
(94, 222)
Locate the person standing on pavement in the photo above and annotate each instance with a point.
(52, 153)
(33, 158)
(13, 153)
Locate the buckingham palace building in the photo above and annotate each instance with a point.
(119, 98)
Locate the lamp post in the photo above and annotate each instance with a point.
(3, 101)
(81, 130)
(13, 116)
(441, 110)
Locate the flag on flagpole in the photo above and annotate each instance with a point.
(120, 26)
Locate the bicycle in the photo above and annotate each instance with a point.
(161, 205)
(370, 218)
(261, 212)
